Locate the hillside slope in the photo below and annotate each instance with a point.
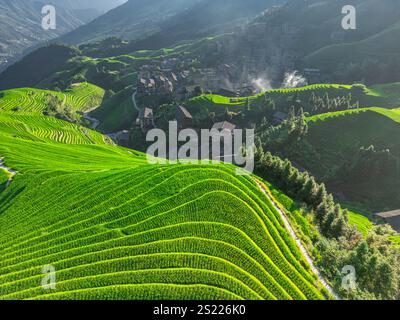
(132, 20)
(98, 6)
(78, 97)
(180, 20)
(283, 39)
(115, 227)
(349, 144)
(378, 56)
(209, 17)
(27, 73)
(356, 153)
(314, 99)
(368, 53)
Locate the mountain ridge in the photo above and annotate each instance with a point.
(20, 23)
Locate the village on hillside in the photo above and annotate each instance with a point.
(173, 81)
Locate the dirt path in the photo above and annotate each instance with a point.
(94, 122)
(298, 242)
(9, 170)
(134, 101)
(137, 107)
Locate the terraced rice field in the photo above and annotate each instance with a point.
(363, 224)
(215, 99)
(314, 87)
(38, 128)
(115, 227)
(84, 96)
(80, 97)
(393, 114)
(371, 96)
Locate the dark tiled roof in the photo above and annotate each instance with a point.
(225, 125)
(280, 115)
(184, 112)
(389, 214)
(146, 113)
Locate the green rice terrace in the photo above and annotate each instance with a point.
(115, 227)
(78, 97)
(386, 96)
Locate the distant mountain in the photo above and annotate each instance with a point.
(98, 5)
(294, 36)
(87, 10)
(20, 25)
(159, 23)
(132, 20)
(20, 21)
(370, 53)
(309, 34)
(208, 17)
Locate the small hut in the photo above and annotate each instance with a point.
(391, 217)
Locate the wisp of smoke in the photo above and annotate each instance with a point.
(228, 84)
(293, 80)
(261, 84)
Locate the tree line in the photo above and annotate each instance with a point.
(374, 258)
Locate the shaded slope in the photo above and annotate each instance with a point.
(380, 46)
(339, 152)
(38, 65)
(355, 151)
(206, 18)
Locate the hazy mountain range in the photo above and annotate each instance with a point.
(134, 19)
(159, 23)
(20, 21)
(299, 34)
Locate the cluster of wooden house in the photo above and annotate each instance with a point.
(163, 76)
(156, 84)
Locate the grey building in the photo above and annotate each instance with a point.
(391, 217)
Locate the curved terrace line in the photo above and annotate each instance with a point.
(298, 241)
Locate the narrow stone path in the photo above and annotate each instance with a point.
(298, 241)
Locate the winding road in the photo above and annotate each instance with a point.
(134, 101)
(9, 170)
(94, 122)
(137, 107)
(298, 241)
